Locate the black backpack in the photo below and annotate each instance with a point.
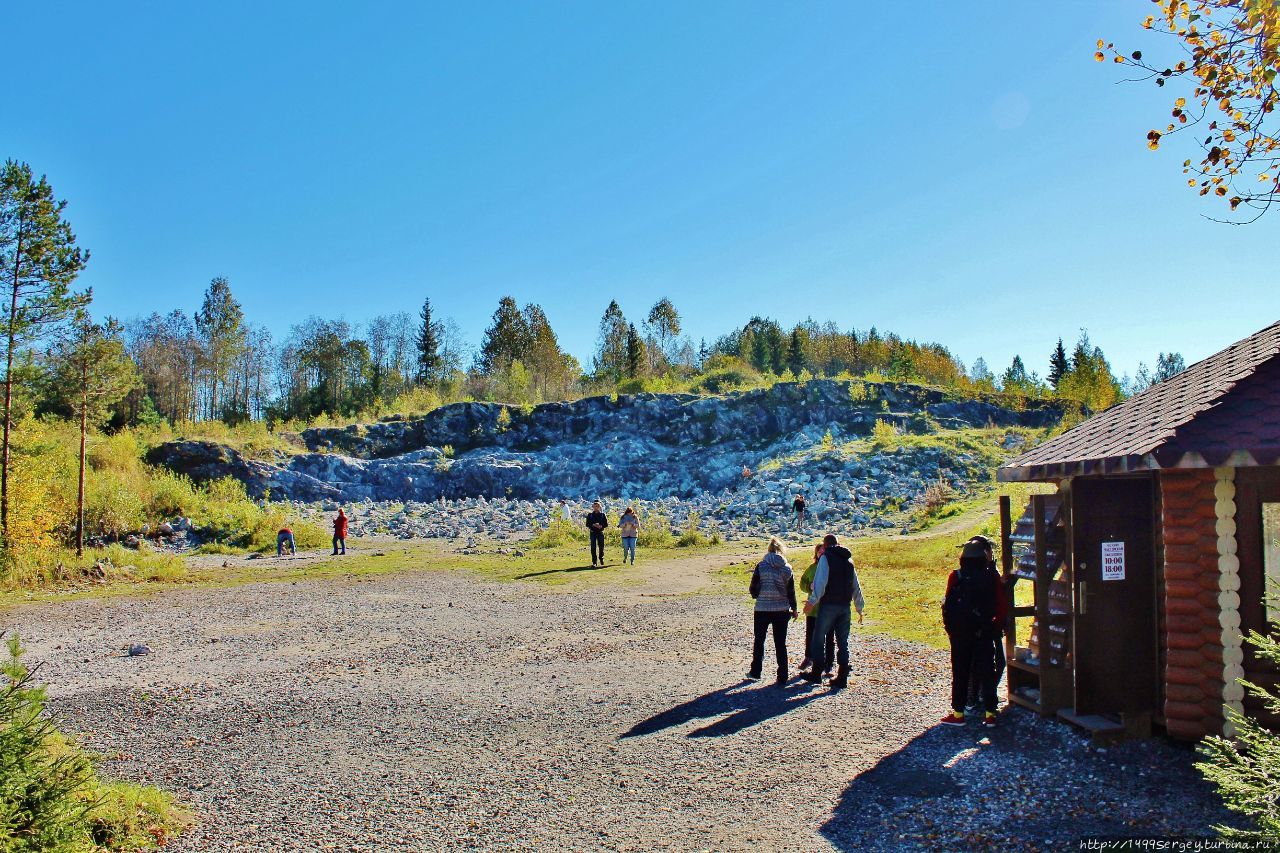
(970, 604)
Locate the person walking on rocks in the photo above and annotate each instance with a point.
(597, 521)
(797, 506)
(340, 533)
(283, 538)
(629, 527)
(774, 589)
(971, 616)
(835, 589)
(811, 622)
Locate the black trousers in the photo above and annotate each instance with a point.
(972, 656)
(811, 625)
(975, 683)
(597, 546)
(777, 619)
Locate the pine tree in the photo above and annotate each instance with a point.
(1168, 366)
(222, 333)
(635, 352)
(39, 260)
(544, 356)
(506, 339)
(796, 360)
(1015, 377)
(1058, 365)
(611, 351)
(92, 372)
(428, 346)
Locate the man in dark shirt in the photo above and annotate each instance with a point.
(596, 523)
(798, 506)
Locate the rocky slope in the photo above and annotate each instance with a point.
(677, 453)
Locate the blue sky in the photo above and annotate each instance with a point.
(964, 173)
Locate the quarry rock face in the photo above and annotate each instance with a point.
(646, 447)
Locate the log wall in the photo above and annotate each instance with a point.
(1191, 640)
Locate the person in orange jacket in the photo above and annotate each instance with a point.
(340, 533)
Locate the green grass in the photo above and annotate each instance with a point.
(126, 816)
(904, 577)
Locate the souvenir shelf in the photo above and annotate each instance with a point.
(1038, 635)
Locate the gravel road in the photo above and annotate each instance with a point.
(433, 711)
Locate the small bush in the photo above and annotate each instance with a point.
(558, 534)
(655, 531)
(691, 536)
(885, 435)
(50, 796)
(936, 497)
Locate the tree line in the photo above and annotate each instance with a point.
(216, 364)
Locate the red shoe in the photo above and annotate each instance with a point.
(989, 720)
(953, 719)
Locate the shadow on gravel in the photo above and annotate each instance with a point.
(1030, 783)
(745, 706)
(562, 571)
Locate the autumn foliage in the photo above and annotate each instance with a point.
(1222, 63)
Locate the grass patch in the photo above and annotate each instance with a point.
(904, 577)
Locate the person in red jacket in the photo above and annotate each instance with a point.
(340, 532)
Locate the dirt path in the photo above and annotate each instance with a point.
(432, 711)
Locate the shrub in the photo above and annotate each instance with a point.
(559, 533)
(1246, 768)
(691, 536)
(112, 505)
(936, 497)
(885, 435)
(655, 531)
(173, 495)
(50, 796)
(40, 806)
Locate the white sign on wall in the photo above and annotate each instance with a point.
(1113, 561)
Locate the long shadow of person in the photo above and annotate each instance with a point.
(744, 706)
(561, 571)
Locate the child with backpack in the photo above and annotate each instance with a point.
(972, 613)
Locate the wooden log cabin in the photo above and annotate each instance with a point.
(1152, 560)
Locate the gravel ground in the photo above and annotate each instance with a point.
(432, 711)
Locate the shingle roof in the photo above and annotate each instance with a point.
(1226, 403)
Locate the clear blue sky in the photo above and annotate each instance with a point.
(964, 173)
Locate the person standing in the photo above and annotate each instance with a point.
(283, 538)
(596, 523)
(973, 703)
(970, 612)
(340, 533)
(629, 527)
(774, 589)
(835, 590)
(797, 506)
(811, 622)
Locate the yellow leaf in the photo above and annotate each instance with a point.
(1180, 103)
(1099, 57)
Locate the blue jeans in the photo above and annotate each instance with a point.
(831, 617)
(281, 540)
(339, 541)
(629, 547)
